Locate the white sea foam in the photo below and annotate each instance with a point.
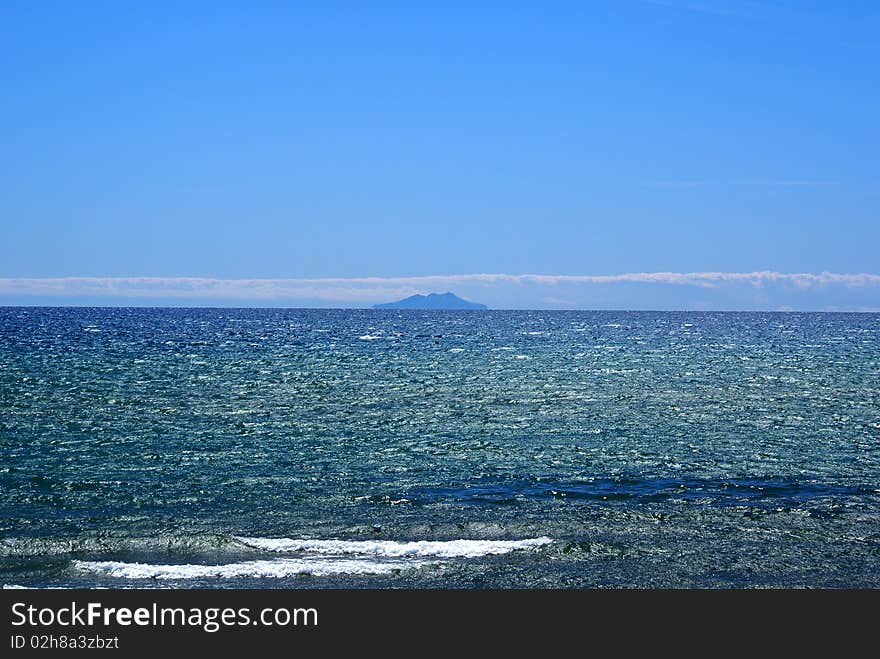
(12, 586)
(395, 549)
(280, 567)
(369, 337)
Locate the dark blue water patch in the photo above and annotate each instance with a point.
(771, 492)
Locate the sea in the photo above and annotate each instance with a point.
(293, 448)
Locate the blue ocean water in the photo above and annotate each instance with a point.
(346, 448)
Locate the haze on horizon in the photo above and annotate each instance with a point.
(586, 156)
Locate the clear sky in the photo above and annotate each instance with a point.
(252, 140)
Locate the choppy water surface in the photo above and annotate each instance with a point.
(301, 448)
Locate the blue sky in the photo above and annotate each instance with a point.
(276, 140)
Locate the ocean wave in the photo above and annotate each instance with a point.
(281, 567)
(396, 549)
(198, 544)
(15, 586)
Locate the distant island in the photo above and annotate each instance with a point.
(434, 301)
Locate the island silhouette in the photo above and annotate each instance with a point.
(433, 301)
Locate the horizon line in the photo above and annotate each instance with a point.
(699, 290)
(868, 311)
